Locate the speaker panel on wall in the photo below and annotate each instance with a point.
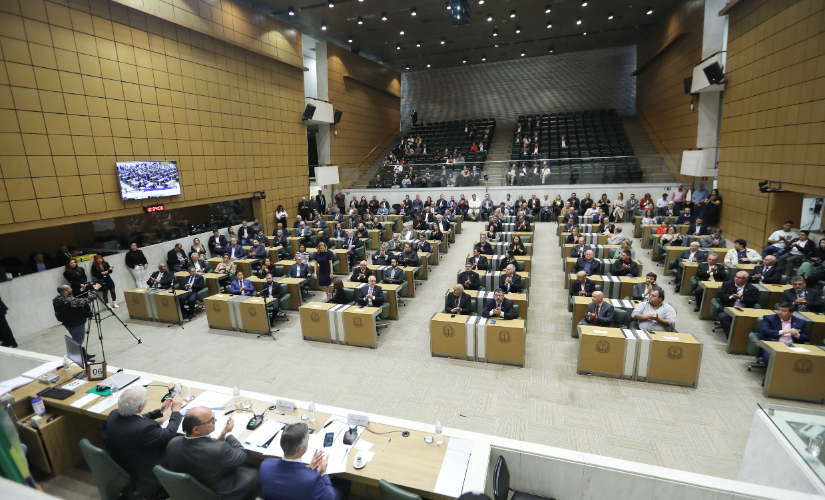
(309, 112)
(337, 116)
(714, 73)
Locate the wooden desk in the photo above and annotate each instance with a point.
(435, 250)
(212, 280)
(457, 225)
(771, 295)
(674, 358)
(580, 304)
(448, 336)
(217, 311)
(388, 230)
(375, 239)
(409, 277)
(397, 220)
(569, 262)
(794, 375)
(245, 266)
(214, 261)
(295, 297)
(816, 327)
(136, 304)
(589, 238)
(709, 289)
(503, 340)
(688, 271)
(627, 284)
(316, 321)
(604, 352)
(254, 316)
(519, 299)
(359, 326)
(391, 294)
(424, 257)
(741, 326)
(343, 261)
(167, 306)
(273, 253)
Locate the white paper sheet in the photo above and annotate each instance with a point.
(337, 459)
(462, 445)
(262, 434)
(670, 338)
(367, 455)
(43, 369)
(210, 400)
(798, 349)
(105, 404)
(363, 445)
(80, 403)
(451, 477)
(13, 383)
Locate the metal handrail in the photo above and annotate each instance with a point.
(376, 147)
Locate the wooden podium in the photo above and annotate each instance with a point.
(710, 288)
(504, 341)
(741, 327)
(217, 311)
(674, 358)
(167, 305)
(136, 304)
(315, 321)
(605, 352)
(794, 372)
(254, 316)
(448, 336)
(359, 326)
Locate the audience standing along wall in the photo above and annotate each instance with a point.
(218, 89)
(575, 81)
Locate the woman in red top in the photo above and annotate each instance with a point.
(662, 229)
(474, 147)
(102, 273)
(646, 202)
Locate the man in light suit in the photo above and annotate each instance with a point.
(136, 442)
(350, 244)
(394, 275)
(240, 286)
(305, 232)
(499, 307)
(321, 201)
(218, 464)
(599, 313)
(469, 279)
(289, 478)
(194, 283)
(370, 295)
(457, 302)
(217, 243)
(783, 327)
(588, 264)
(803, 299)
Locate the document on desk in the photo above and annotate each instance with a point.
(43, 369)
(451, 477)
(263, 434)
(80, 403)
(798, 349)
(210, 399)
(105, 404)
(74, 384)
(13, 383)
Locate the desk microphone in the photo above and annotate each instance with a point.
(256, 420)
(351, 435)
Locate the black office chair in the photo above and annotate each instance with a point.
(501, 485)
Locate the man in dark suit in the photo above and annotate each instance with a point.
(581, 286)
(422, 245)
(522, 224)
(161, 278)
(579, 248)
(698, 228)
(768, 273)
(322, 238)
(409, 258)
(509, 281)
(457, 302)
(362, 273)
(624, 266)
(245, 233)
(218, 464)
(801, 298)
(136, 442)
(194, 283)
(736, 293)
(499, 306)
(783, 327)
(642, 291)
(483, 246)
(217, 243)
(599, 313)
(304, 208)
(394, 275)
(478, 261)
(288, 478)
(429, 217)
(321, 201)
(711, 270)
(686, 219)
(176, 258)
(299, 269)
(441, 204)
(588, 264)
(370, 295)
(469, 279)
(350, 244)
(240, 286)
(574, 202)
(534, 204)
(691, 254)
(272, 290)
(235, 250)
(382, 257)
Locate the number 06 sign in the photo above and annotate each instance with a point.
(96, 371)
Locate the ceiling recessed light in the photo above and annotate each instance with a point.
(418, 44)
(610, 15)
(495, 32)
(549, 24)
(584, 4)
(412, 11)
(449, 7)
(483, 58)
(551, 50)
(408, 66)
(401, 31)
(443, 41)
(489, 17)
(349, 39)
(397, 46)
(585, 33)
(481, 2)
(522, 53)
(649, 11)
(331, 3)
(518, 29)
(360, 0)
(428, 65)
(291, 11)
(512, 13)
(464, 61)
(384, 16)
(360, 20)
(496, 45)
(323, 26)
(578, 20)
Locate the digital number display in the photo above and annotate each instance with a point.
(154, 208)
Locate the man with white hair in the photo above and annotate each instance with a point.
(136, 442)
(509, 281)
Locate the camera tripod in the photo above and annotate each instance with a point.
(94, 306)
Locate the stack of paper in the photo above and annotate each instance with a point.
(210, 400)
(13, 383)
(47, 367)
(88, 398)
(105, 404)
(263, 434)
(450, 480)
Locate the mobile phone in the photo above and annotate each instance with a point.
(328, 439)
(493, 322)
(452, 315)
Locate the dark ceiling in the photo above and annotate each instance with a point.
(378, 39)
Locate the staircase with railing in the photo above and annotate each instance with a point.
(389, 142)
(500, 148)
(656, 161)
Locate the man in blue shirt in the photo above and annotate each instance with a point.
(698, 199)
(289, 478)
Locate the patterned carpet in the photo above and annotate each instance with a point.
(699, 430)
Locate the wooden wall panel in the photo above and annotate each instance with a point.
(369, 95)
(84, 84)
(773, 118)
(662, 106)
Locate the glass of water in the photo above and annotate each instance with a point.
(815, 445)
(311, 411)
(247, 403)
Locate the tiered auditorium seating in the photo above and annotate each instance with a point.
(594, 139)
(438, 136)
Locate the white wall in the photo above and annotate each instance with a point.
(310, 78)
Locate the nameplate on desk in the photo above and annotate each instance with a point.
(96, 371)
(357, 419)
(599, 331)
(285, 406)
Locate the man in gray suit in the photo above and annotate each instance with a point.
(599, 313)
(217, 463)
(301, 270)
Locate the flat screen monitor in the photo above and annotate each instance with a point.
(147, 179)
(75, 351)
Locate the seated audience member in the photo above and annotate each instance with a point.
(483, 246)
(64, 255)
(642, 291)
(176, 258)
(689, 255)
(409, 258)
(599, 313)
(801, 298)
(736, 293)
(218, 463)
(523, 225)
(768, 273)
(715, 240)
(686, 219)
(257, 251)
(393, 275)
(698, 228)
(509, 258)
(509, 281)
(517, 247)
(235, 250)
(573, 237)
(245, 234)
(272, 290)
(38, 263)
(797, 250)
(322, 238)
(475, 208)
(161, 278)
(300, 269)
(499, 306)
(337, 295)
(711, 270)
(240, 286)
(302, 251)
(370, 295)
(458, 302)
(469, 279)
(624, 266)
(617, 237)
(339, 233)
(478, 261)
(607, 227)
(580, 248)
(422, 245)
(655, 314)
(305, 233)
(351, 243)
(663, 227)
(136, 442)
(362, 273)
(581, 286)
(783, 327)
(779, 240)
(267, 267)
(671, 238)
(741, 254)
(382, 256)
(225, 266)
(193, 283)
(217, 243)
(288, 478)
(262, 238)
(817, 260)
(588, 264)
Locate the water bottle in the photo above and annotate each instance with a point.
(67, 363)
(236, 394)
(311, 411)
(114, 387)
(439, 436)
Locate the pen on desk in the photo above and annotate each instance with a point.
(345, 455)
(385, 446)
(328, 423)
(230, 411)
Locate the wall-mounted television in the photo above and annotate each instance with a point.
(147, 179)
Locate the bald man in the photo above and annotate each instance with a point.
(458, 302)
(599, 312)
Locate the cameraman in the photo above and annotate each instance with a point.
(71, 310)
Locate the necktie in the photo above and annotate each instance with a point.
(712, 270)
(597, 311)
(191, 280)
